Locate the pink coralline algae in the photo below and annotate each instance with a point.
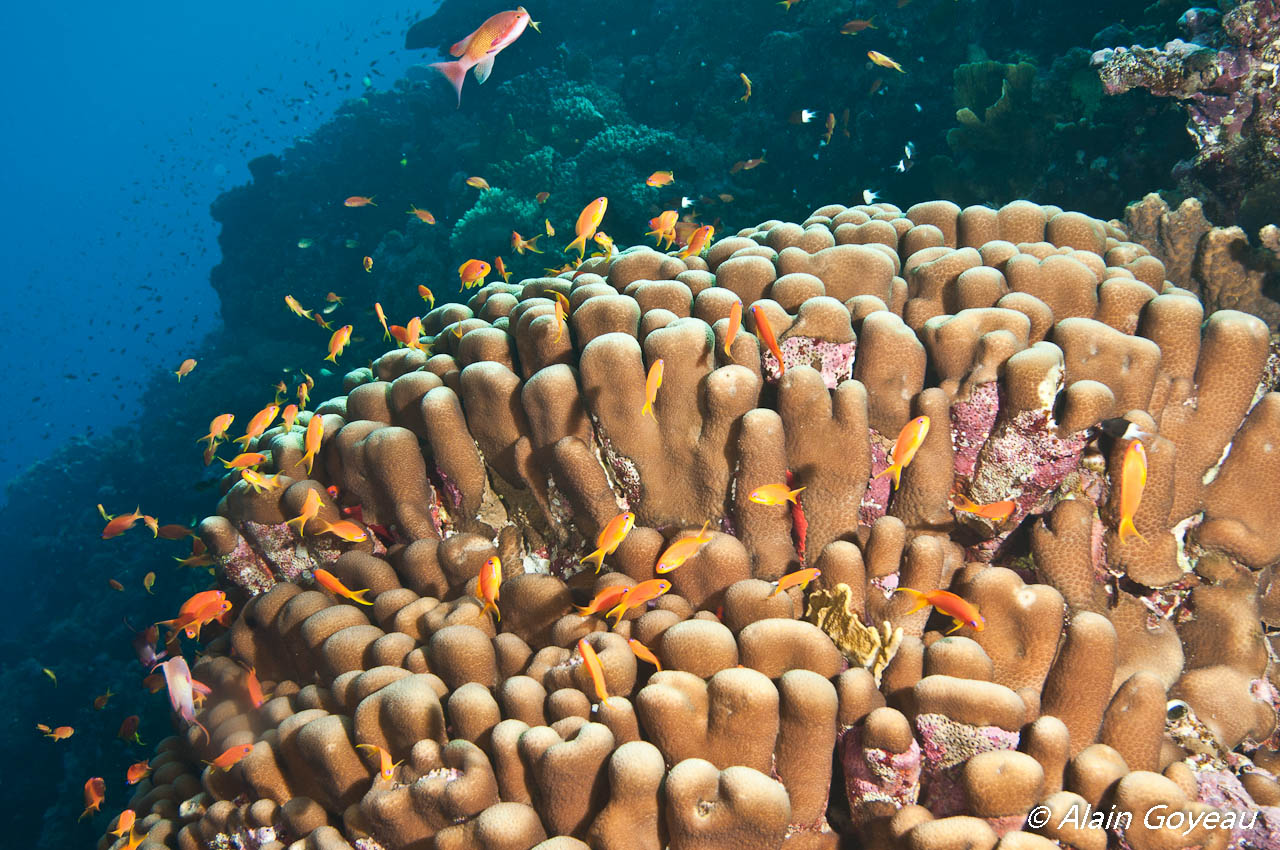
(875, 775)
(834, 360)
(947, 745)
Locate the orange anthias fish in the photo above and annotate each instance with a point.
(124, 823)
(997, 512)
(699, 241)
(185, 368)
(174, 531)
(610, 538)
(479, 49)
(765, 332)
(359, 201)
(735, 322)
(638, 595)
(346, 530)
(541, 197)
(311, 443)
(338, 342)
(245, 460)
(1133, 478)
(259, 482)
(519, 244)
(800, 579)
(258, 424)
(884, 61)
(427, 295)
(148, 582)
(774, 495)
(651, 384)
(588, 220)
(664, 226)
(682, 550)
(115, 585)
(386, 768)
(478, 183)
(546, 225)
(230, 756)
(288, 416)
(218, 428)
(117, 525)
(472, 272)
(330, 582)
(253, 688)
(746, 82)
(604, 600)
(963, 612)
(422, 215)
(501, 268)
(310, 507)
(562, 310)
(137, 772)
(595, 668)
(95, 791)
(490, 582)
(909, 440)
(198, 611)
(857, 25)
(57, 733)
(367, 262)
(129, 729)
(644, 653)
(660, 178)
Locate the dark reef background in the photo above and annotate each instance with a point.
(998, 101)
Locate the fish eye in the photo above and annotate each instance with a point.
(1176, 709)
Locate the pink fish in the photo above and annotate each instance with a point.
(144, 644)
(182, 690)
(479, 49)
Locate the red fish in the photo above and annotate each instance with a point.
(479, 49)
(137, 772)
(857, 25)
(129, 729)
(117, 525)
(961, 611)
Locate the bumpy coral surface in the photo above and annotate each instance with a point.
(1131, 672)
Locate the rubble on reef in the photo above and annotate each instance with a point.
(1112, 675)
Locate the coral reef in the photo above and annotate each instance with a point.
(1110, 671)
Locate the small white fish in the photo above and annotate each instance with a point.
(685, 203)
(910, 150)
(918, 107)
(869, 196)
(806, 115)
(901, 166)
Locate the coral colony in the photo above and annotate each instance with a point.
(1064, 377)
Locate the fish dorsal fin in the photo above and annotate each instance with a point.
(484, 67)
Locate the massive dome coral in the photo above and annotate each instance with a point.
(1113, 675)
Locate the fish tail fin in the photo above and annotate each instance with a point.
(618, 610)
(491, 605)
(332, 358)
(580, 243)
(1128, 528)
(956, 627)
(791, 496)
(454, 73)
(648, 408)
(893, 469)
(202, 729)
(358, 596)
(596, 556)
(922, 601)
(302, 522)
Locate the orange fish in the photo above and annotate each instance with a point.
(382, 319)
(288, 416)
(501, 268)
(413, 334)
(185, 368)
(129, 729)
(699, 241)
(638, 595)
(57, 733)
(774, 495)
(884, 61)
(908, 443)
(787, 4)
(997, 512)
(595, 668)
(610, 538)
(367, 262)
(644, 653)
(137, 772)
(829, 128)
(359, 201)
(546, 225)
(604, 600)
(230, 756)
(651, 384)
(117, 525)
(338, 342)
(258, 424)
(198, 611)
(95, 790)
(335, 298)
(345, 529)
(800, 579)
(253, 688)
(660, 178)
(330, 582)
(115, 585)
(682, 550)
(245, 460)
(386, 769)
(857, 25)
(298, 309)
(541, 197)
(735, 322)
(304, 390)
(472, 273)
(149, 581)
(588, 220)
(490, 582)
(479, 183)
(479, 49)
(427, 295)
(753, 163)
(218, 428)
(765, 332)
(519, 244)
(664, 226)
(746, 81)
(124, 823)
(422, 215)
(310, 507)
(153, 524)
(154, 683)
(961, 611)
(259, 482)
(321, 322)
(173, 531)
(562, 310)
(1133, 478)
(100, 702)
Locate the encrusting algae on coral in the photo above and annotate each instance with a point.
(606, 707)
